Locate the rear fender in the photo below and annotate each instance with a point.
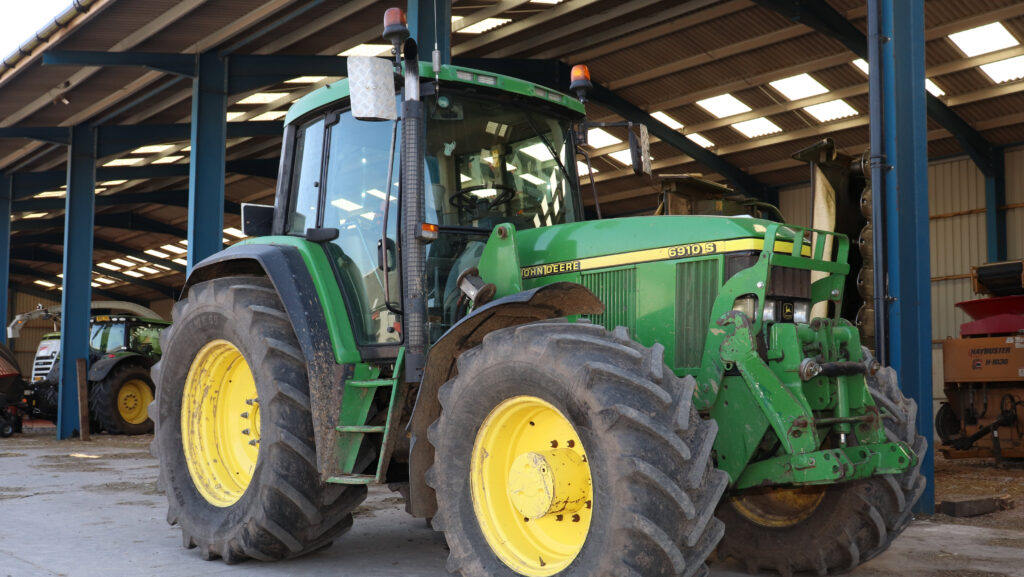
(101, 368)
(288, 272)
(542, 303)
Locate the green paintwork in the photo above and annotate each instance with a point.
(342, 338)
(655, 273)
(468, 76)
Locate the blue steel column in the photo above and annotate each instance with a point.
(995, 197)
(430, 21)
(907, 212)
(206, 168)
(6, 194)
(78, 225)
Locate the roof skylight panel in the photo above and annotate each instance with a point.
(798, 87)
(983, 39)
(723, 106)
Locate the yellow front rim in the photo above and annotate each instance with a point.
(220, 423)
(779, 506)
(133, 399)
(531, 486)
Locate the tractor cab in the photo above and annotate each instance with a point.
(496, 151)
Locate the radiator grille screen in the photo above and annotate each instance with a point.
(696, 289)
(617, 290)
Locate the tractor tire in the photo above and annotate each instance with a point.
(646, 488)
(119, 402)
(7, 427)
(234, 429)
(849, 524)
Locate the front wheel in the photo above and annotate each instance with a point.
(566, 450)
(234, 429)
(119, 402)
(829, 529)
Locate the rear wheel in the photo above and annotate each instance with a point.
(834, 528)
(563, 449)
(234, 429)
(119, 402)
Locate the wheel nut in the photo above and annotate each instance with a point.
(254, 442)
(244, 415)
(246, 431)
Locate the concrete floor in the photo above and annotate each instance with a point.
(91, 509)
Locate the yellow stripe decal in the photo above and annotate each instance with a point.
(655, 254)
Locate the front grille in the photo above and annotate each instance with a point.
(41, 367)
(696, 289)
(617, 290)
(790, 282)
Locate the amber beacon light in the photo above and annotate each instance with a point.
(580, 81)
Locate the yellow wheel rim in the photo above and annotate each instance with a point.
(531, 486)
(220, 423)
(779, 506)
(133, 399)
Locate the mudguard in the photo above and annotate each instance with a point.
(101, 368)
(546, 302)
(287, 271)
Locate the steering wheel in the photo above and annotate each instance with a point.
(464, 200)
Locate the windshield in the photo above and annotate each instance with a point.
(487, 161)
(494, 161)
(106, 337)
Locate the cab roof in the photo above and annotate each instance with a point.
(449, 73)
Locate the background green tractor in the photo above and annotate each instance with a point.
(560, 397)
(122, 349)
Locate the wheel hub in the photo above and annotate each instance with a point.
(133, 400)
(220, 423)
(548, 482)
(531, 486)
(779, 506)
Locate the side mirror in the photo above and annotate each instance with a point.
(257, 219)
(371, 84)
(640, 151)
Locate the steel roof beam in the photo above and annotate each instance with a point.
(554, 73)
(27, 184)
(35, 254)
(162, 197)
(821, 17)
(171, 63)
(122, 220)
(57, 295)
(99, 243)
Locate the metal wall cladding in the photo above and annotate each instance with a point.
(795, 204)
(1015, 196)
(24, 347)
(958, 242)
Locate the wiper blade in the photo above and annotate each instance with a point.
(547, 143)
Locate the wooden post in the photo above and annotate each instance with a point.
(83, 399)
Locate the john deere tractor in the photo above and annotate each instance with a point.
(559, 396)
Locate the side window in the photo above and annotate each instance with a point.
(357, 178)
(305, 185)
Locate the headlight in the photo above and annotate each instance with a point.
(801, 312)
(770, 314)
(746, 304)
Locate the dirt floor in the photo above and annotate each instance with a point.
(99, 501)
(958, 478)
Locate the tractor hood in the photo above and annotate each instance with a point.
(622, 241)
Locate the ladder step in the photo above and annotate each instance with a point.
(372, 383)
(359, 429)
(353, 479)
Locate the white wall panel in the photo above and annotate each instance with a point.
(795, 204)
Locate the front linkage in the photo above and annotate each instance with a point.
(806, 382)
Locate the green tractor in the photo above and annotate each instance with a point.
(122, 348)
(558, 396)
